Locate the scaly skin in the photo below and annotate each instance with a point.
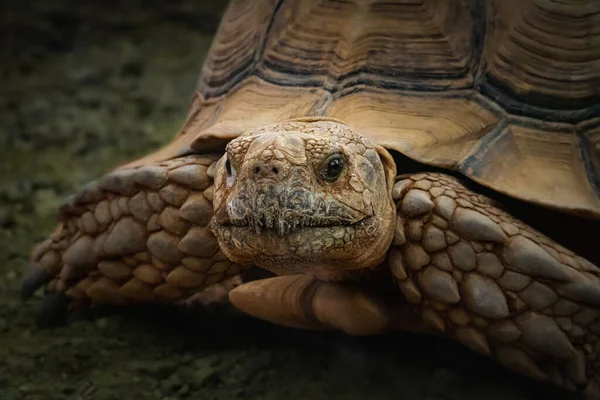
(493, 283)
(468, 269)
(465, 268)
(136, 235)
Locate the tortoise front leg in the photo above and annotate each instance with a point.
(495, 284)
(136, 235)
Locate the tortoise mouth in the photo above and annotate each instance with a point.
(290, 225)
(296, 249)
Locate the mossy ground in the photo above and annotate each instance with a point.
(87, 85)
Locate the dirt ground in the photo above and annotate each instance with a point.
(86, 86)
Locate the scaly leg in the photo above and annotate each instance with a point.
(495, 284)
(136, 235)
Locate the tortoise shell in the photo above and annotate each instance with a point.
(506, 93)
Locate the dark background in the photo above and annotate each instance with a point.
(85, 85)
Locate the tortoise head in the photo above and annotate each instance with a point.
(304, 196)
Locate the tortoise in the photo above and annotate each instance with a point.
(427, 166)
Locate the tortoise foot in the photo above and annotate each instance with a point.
(488, 280)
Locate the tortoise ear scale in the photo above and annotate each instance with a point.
(389, 165)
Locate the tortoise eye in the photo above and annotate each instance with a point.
(332, 167)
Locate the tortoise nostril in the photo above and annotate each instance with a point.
(268, 170)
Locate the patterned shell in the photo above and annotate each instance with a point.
(507, 92)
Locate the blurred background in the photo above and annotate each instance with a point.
(85, 86)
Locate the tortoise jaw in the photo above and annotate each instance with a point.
(307, 249)
(285, 208)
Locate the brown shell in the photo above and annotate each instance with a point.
(507, 92)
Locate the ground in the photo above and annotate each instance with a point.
(87, 86)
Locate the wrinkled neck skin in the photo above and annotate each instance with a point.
(306, 196)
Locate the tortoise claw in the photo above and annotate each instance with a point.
(36, 278)
(54, 311)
